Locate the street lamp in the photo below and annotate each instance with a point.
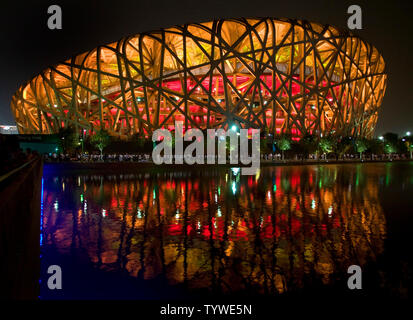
(408, 133)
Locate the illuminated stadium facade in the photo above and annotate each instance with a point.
(282, 76)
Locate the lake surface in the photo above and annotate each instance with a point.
(207, 231)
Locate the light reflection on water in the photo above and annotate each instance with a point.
(279, 230)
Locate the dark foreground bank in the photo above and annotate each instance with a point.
(20, 194)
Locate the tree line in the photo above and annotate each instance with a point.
(336, 146)
(320, 147)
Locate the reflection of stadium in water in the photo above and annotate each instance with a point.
(276, 231)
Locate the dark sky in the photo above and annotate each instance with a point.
(28, 46)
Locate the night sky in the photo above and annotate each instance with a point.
(28, 46)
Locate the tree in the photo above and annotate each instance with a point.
(326, 145)
(390, 143)
(342, 146)
(375, 146)
(284, 144)
(389, 148)
(67, 139)
(361, 146)
(139, 140)
(401, 146)
(391, 137)
(264, 148)
(409, 145)
(297, 149)
(100, 140)
(308, 144)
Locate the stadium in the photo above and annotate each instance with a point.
(279, 75)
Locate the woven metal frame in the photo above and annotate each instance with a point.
(283, 76)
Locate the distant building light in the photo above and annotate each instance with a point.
(7, 129)
(408, 133)
(381, 138)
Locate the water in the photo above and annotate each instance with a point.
(211, 231)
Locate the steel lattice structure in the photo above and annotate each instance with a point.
(278, 75)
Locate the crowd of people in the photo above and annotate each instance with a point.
(349, 156)
(145, 157)
(124, 157)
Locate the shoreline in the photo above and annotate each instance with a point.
(117, 167)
